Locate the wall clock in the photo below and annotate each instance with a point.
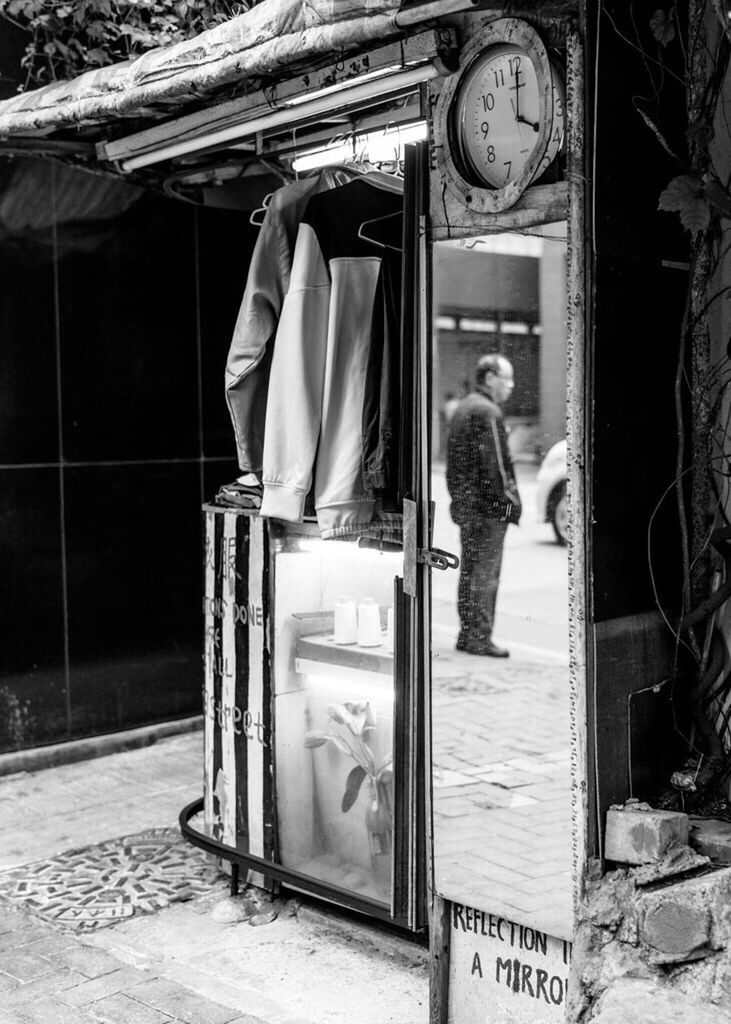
(500, 119)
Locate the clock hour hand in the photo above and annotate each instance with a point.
(524, 120)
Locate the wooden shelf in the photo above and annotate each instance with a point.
(322, 650)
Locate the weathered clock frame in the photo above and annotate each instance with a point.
(520, 34)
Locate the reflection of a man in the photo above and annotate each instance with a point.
(481, 484)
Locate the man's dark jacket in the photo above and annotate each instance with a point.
(480, 476)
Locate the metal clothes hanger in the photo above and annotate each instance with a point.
(375, 241)
(257, 215)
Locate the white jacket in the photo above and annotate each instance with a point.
(318, 375)
(249, 358)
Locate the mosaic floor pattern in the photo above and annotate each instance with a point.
(101, 885)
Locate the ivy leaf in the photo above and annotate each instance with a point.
(663, 26)
(685, 196)
(352, 787)
(98, 56)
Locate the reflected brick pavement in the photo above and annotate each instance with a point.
(502, 805)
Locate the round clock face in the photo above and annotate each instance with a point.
(496, 117)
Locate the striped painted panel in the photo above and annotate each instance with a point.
(237, 734)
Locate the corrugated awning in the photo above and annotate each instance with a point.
(272, 37)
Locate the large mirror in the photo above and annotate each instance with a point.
(500, 679)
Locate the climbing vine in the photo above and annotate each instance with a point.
(68, 38)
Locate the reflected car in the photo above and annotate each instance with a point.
(551, 499)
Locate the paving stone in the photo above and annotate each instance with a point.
(88, 991)
(22, 935)
(48, 985)
(7, 984)
(52, 944)
(25, 966)
(121, 1009)
(87, 960)
(45, 1011)
(180, 1003)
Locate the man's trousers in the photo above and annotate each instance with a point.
(482, 556)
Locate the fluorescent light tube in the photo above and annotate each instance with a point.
(374, 146)
(283, 117)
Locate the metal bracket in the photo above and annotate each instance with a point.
(435, 558)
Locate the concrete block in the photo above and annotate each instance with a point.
(688, 919)
(638, 834)
(641, 1002)
(676, 926)
(711, 837)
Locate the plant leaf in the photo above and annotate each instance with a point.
(662, 26)
(352, 787)
(685, 196)
(696, 216)
(681, 191)
(316, 738)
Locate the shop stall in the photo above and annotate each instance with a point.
(354, 749)
(369, 762)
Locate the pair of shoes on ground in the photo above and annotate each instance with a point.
(484, 647)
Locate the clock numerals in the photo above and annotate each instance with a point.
(508, 164)
(514, 64)
(499, 76)
(488, 102)
(491, 154)
(484, 128)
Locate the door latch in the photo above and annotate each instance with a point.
(435, 558)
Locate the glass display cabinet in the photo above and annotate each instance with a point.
(333, 688)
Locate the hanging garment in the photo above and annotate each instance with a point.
(320, 367)
(381, 400)
(249, 358)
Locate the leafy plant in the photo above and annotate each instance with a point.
(686, 59)
(356, 719)
(69, 38)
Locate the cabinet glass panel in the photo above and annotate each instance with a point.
(334, 698)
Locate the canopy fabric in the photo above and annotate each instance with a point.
(269, 37)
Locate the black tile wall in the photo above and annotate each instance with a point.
(225, 243)
(127, 301)
(32, 662)
(28, 382)
(101, 535)
(134, 592)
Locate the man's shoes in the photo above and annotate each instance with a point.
(484, 647)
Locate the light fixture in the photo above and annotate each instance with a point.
(290, 114)
(375, 147)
